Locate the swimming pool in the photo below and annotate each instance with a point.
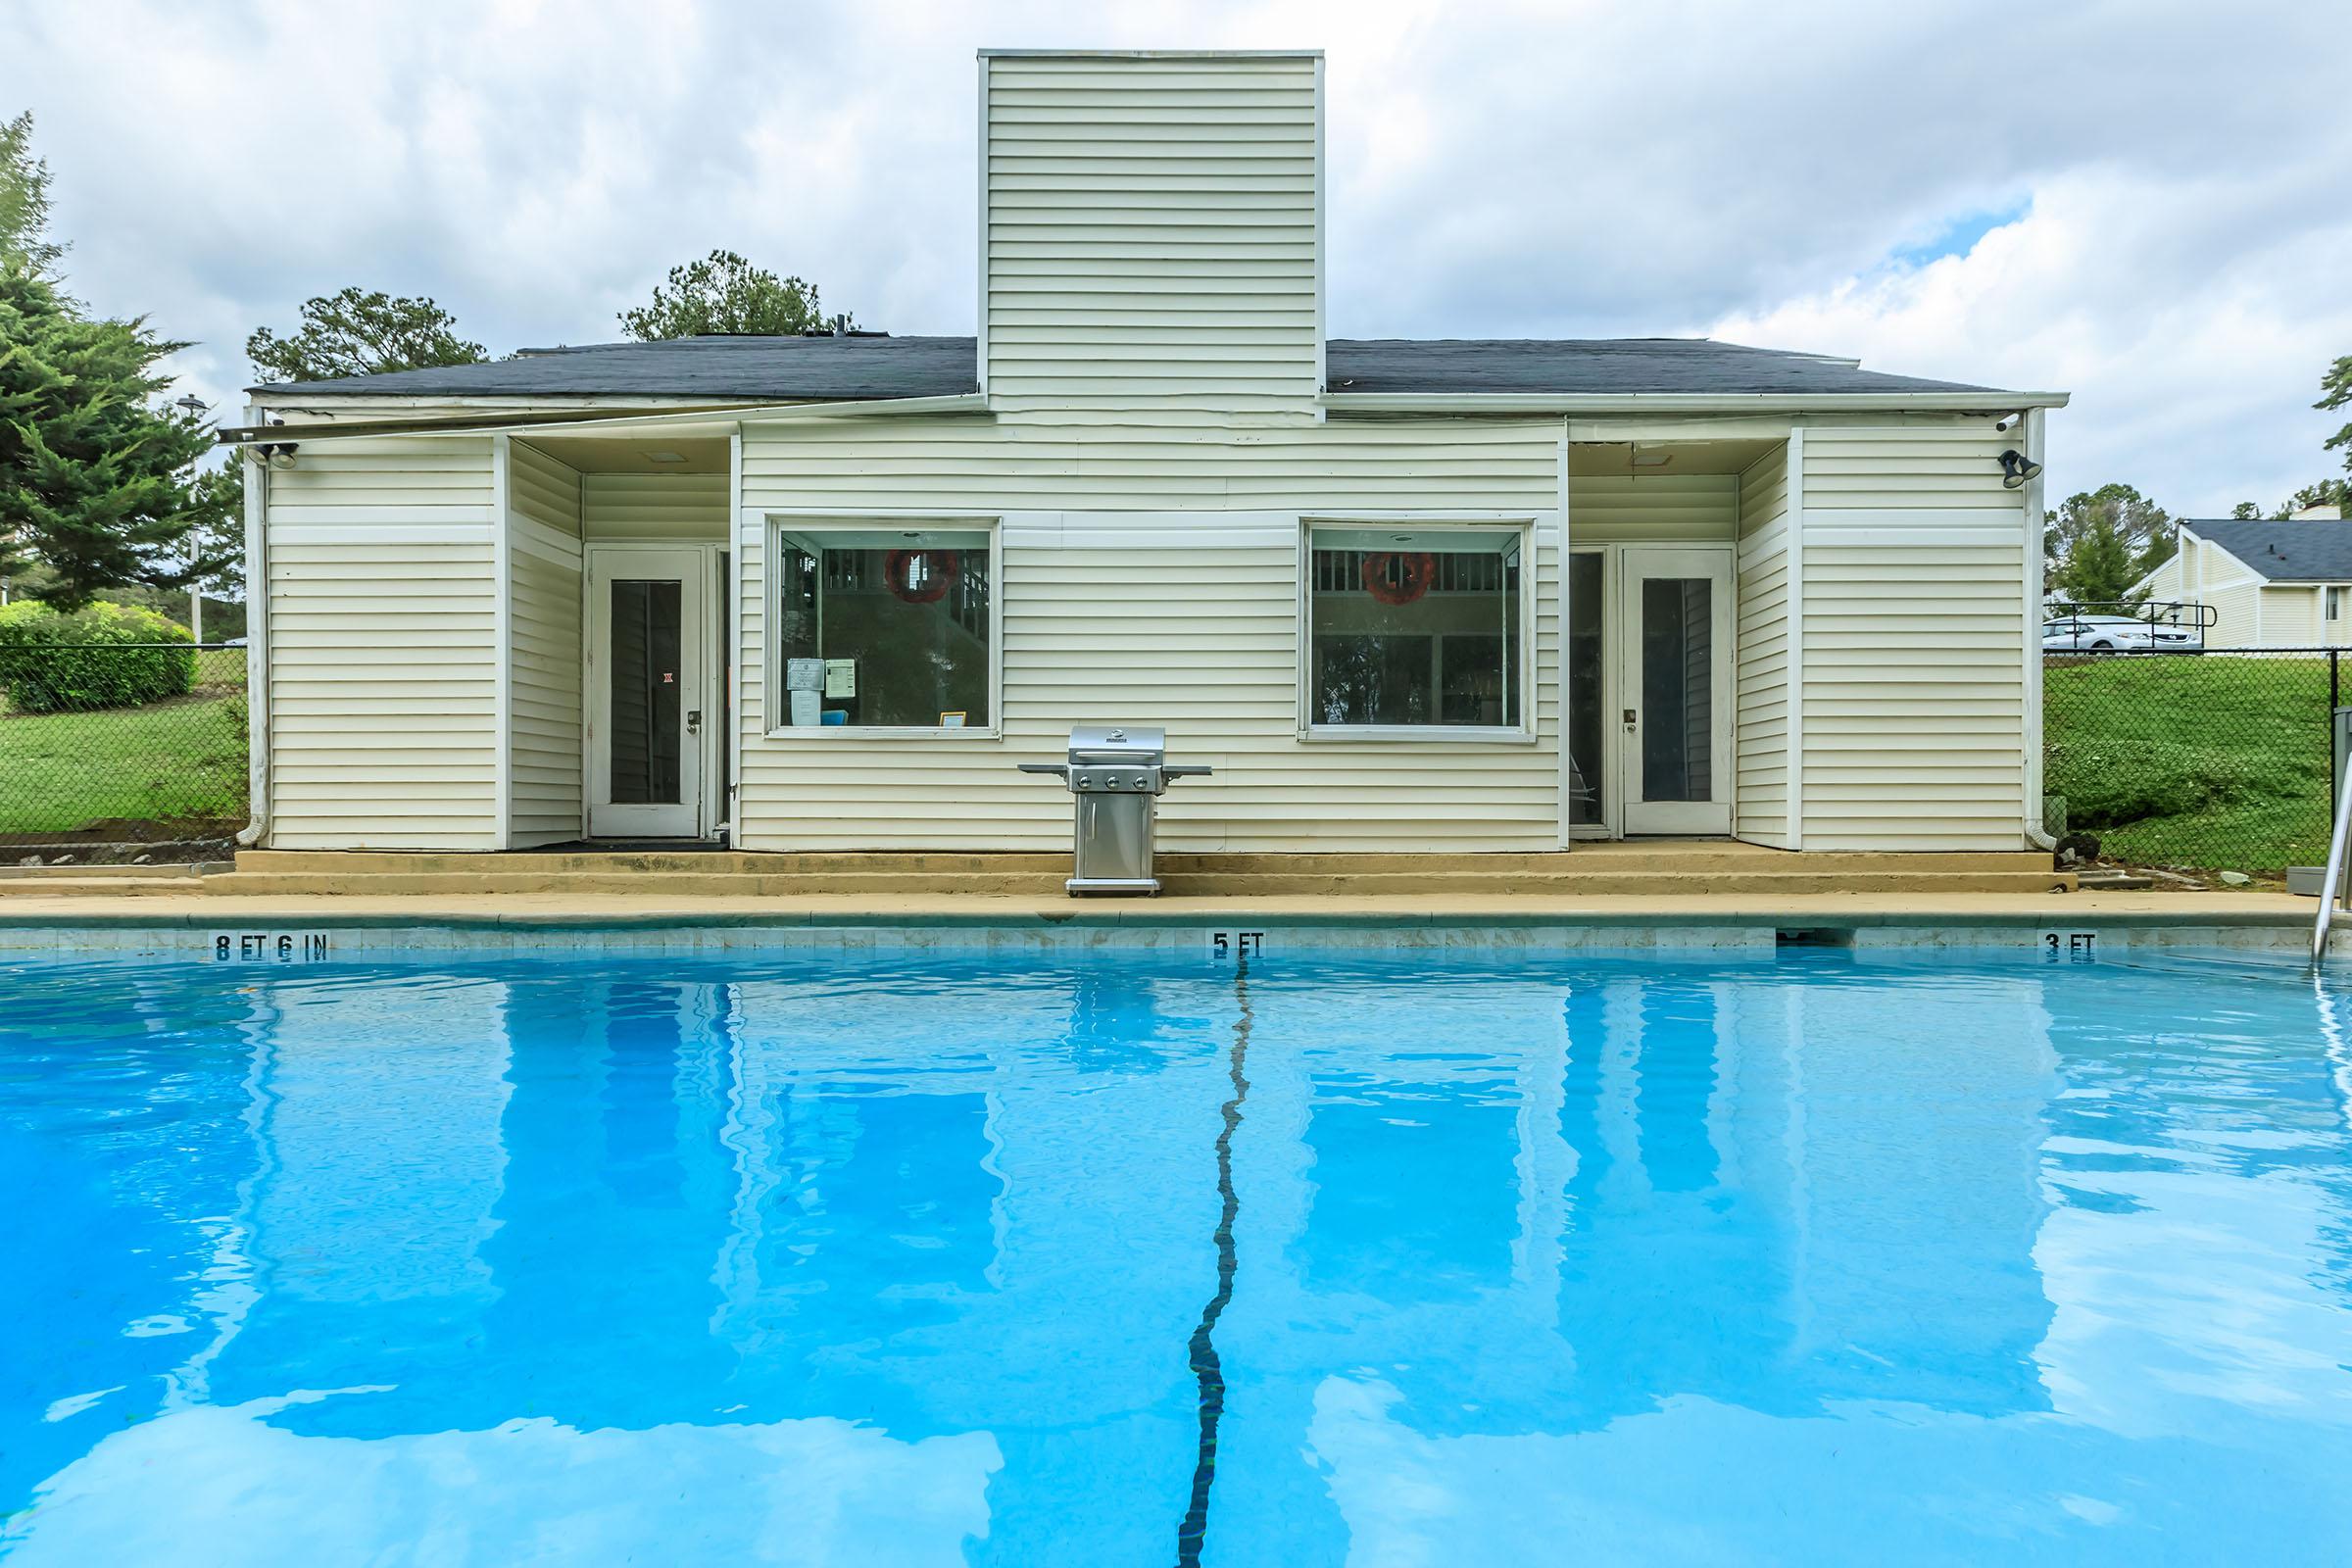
(1145, 1258)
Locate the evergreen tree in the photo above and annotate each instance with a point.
(722, 293)
(97, 483)
(2101, 568)
(25, 199)
(2335, 392)
(361, 332)
(2100, 542)
(2326, 493)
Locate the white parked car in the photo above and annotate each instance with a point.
(2111, 633)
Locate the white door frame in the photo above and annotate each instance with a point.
(1637, 563)
(693, 565)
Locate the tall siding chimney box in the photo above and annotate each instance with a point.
(1152, 232)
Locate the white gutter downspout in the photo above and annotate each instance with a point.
(256, 645)
(2032, 436)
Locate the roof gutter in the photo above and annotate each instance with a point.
(513, 424)
(1567, 403)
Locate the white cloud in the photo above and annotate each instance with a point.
(1596, 170)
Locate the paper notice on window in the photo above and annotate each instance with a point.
(840, 677)
(803, 674)
(808, 707)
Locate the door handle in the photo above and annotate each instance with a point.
(1630, 721)
(694, 721)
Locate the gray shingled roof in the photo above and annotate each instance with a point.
(858, 368)
(2311, 549)
(1598, 365)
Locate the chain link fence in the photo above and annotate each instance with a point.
(2200, 763)
(118, 753)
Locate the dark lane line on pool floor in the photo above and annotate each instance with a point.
(1205, 1366)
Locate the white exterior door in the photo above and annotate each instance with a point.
(1675, 702)
(649, 686)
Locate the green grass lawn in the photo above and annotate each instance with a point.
(171, 761)
(2209, 764)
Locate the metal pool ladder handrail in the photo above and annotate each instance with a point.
(2332, 887)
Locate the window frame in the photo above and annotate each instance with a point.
(1523, 733)
(775, 525)
(2331, 602)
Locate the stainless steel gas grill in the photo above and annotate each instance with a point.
(1117, 773)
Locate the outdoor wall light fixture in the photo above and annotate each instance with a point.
(279, 455)
(2017, 468)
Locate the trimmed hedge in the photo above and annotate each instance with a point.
(100, 656)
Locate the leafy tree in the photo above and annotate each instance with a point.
(100, 487)
(2100, 542)
(2246, 512)
(25, 199)
(360, 332)
(722, 293)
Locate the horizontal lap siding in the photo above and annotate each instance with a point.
(690, 508)
(384, 667)
(545, 652)
(1914, 632)
(2232, 616)
(2290, 616)
(1150, 235)
(1153, 578)
(1761, 738)
(1660, 509)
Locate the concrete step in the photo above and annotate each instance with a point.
(40, 873)
(706, 862)
(1612, 858)
(62, 886)
(1597, 881)
(637, 884)
(1610, 882)
(1618, 858)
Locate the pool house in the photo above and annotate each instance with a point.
(1406, 597)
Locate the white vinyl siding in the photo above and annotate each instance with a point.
(689, 508)
(1760, 738)
(1653, 509)
(1150, 233)
(1913, 639)
(544, 652)
(2290, 616)
(383, 663)
(1154, 580)
(2233, 608)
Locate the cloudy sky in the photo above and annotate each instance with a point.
(2146, 204)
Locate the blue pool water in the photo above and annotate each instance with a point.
(1131, 1260)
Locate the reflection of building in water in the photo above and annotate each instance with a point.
(956, 1207)
(997, 1222)
(1516, 1214)
(381, 1165)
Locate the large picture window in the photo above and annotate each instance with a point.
(883, 629)
(1418, 629)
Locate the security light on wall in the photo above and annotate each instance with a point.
(2017, 468)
